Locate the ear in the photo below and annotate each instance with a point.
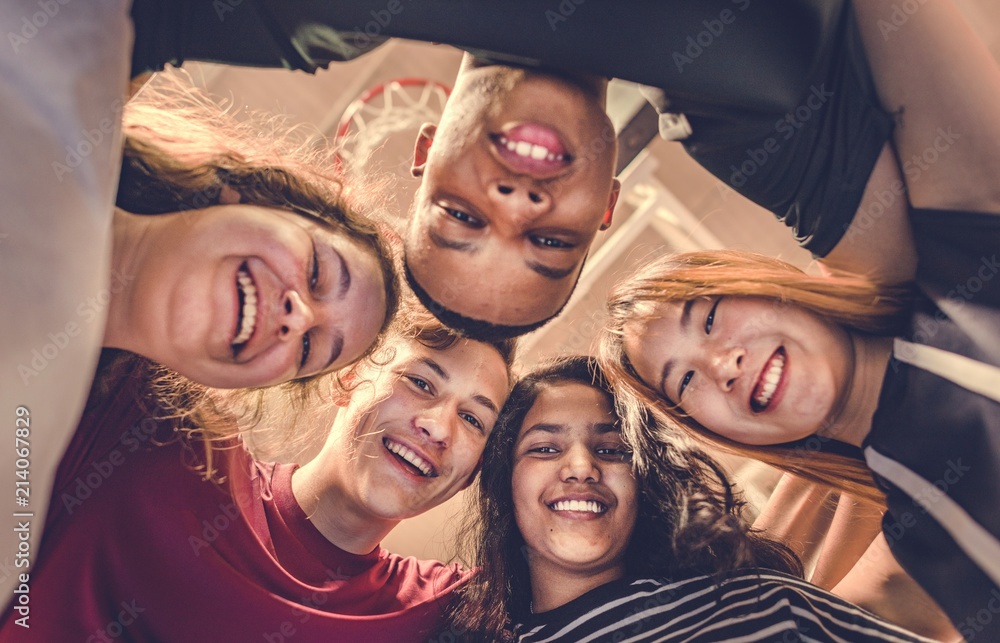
(616, 187)
(422, 149)
(228, 196)
(472, 476)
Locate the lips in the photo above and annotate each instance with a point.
(532, 149)
(410, 459)
(770, 382)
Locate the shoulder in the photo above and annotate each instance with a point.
(436, 576)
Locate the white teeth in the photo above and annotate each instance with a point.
(771, 379)
(409, 456)
(526, 149)
(249, 291)
(579, 505)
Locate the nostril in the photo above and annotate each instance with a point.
(284, 330)
(534, 197)
(504, 189)
(288, 306)
(731, 383)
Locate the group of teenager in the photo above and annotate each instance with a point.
(236, 259)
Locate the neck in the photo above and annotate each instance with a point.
(853, 420)
(332, 511)
(553, 587)
(132, 236)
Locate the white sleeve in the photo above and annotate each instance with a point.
(64, 70)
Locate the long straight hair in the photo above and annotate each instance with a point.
(853, 302)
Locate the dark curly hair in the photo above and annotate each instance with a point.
(688, 522)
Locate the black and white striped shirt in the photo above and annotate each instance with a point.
(753, 605)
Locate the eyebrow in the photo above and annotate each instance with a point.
(487, 402)
(685, 322)
(548, 272)
(441, 242)
(345, 276)
(337, 346)
(555, 274)
(601, 428)
(434, 366)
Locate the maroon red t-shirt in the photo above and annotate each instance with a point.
(139, 547)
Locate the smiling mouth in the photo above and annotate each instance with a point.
(406, 456)
(582, 506)
(246, 320)
(768, 382)
(532, 151)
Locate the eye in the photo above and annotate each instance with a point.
(616, 453)
(550, 242)
(419, 383)
(464, 217)
(710, 320)
(684, 383)
(543, 450)
(314, 277)
(306, 347)
(473, 420)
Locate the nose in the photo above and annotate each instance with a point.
(522, 196)
(297, 316)
(726, 365)
(434, 423)
(579, 465)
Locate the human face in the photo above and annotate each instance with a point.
(415, 430)
(240, 295)
(747, 368)
(497, 234)
(575, 497)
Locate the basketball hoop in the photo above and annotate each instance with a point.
(380, 113)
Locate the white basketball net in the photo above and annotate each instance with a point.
(398, 107)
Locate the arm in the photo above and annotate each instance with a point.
(650, 44)
(878, 584)
(829, 532)
(941, 81)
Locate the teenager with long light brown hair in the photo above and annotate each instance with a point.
(888, 365)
